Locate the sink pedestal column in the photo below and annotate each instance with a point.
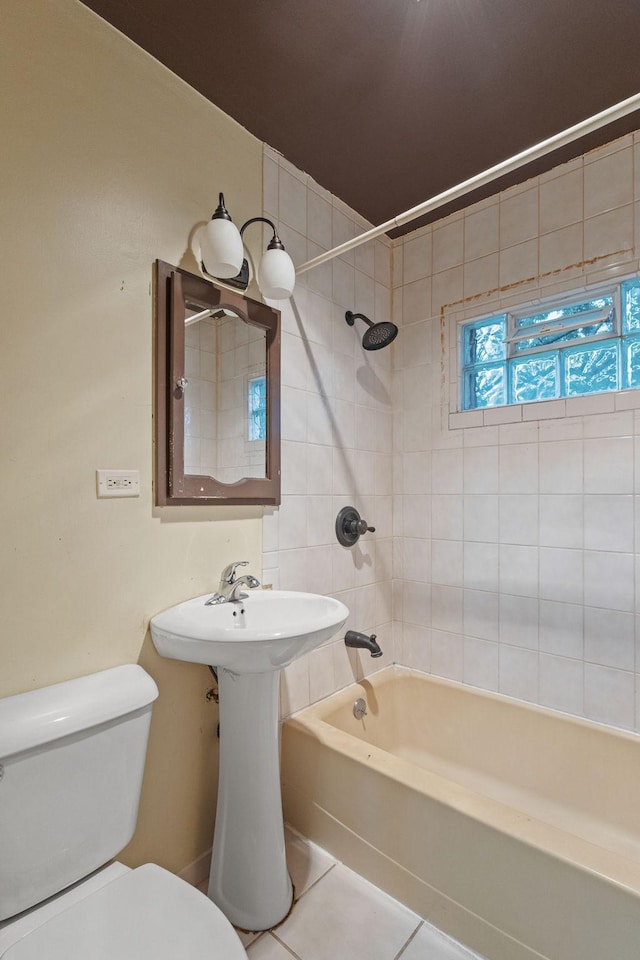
(249, 879)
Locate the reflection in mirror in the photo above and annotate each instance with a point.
(225, 396)
(217, 396)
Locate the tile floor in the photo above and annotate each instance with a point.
(338, 915)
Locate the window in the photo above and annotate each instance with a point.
(257, 408)
(566, 348)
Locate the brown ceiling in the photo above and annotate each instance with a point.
(388, 102)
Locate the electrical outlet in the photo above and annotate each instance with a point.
(118, 483)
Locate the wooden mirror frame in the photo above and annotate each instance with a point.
(172, 486)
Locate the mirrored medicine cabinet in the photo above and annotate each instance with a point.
(217, 393)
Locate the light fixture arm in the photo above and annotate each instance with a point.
(275, 242)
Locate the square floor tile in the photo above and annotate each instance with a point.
(343, 917)
(306, 862)
(431, 944)
(268, 948)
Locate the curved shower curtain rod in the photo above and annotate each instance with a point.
(581, 129)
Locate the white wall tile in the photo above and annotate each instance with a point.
(608, 182)
(519, 570)
(447, 655)
(518, 217)
(518, 673)
(481, 232)
(561, 574)
(446, 562)
(446, 608)
(609, 580)
(447, 517)
(519, 518)
(608, 523)
(481, 517)
(609, 695)
(561, 683)
(608, 465)
(561, 467)
(609, 638)
(481, 615)
(519, 621)
(561, 520)
(417, 257)
(609, 234)
(561, 628)
(561, 201)
(480, 666)
(481, 566)
(481, 470)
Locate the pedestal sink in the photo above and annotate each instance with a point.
(249, 642)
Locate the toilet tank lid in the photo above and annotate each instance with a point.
(40, 716)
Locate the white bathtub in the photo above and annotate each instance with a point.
(513, 828)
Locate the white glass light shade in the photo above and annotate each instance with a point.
(221, 248)
(276, 275)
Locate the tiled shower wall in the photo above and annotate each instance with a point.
(517, 531)
(336, 431)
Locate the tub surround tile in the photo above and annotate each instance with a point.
(531, 508)
(447, 655)
(518, 673)
(561, 628)
(481, 659)
(609, 695)
(561, 684)
(481, 518)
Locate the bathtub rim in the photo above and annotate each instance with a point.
(609, 866)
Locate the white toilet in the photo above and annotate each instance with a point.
(71, 763)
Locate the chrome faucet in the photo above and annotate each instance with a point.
(229, 588)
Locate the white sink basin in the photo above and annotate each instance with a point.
(249, 642)
(267, 631)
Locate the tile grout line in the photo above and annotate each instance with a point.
(285, 946)
(409, 941)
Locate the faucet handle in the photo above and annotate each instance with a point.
(228, 575)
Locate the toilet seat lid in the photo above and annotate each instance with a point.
(146, 914)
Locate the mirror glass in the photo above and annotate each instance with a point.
(217, 396)
(225, 398)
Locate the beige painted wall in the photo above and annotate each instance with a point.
(108, 162)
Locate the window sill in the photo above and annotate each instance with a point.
(596, 403)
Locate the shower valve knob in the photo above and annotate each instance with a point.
(350, 526)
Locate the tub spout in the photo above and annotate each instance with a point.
(354, 639)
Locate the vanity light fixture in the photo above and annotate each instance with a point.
(222, 253)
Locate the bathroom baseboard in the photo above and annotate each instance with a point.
(197, 872)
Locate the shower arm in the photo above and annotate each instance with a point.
(598, 120)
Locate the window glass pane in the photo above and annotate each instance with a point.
(485, 387)
(632, 362)
(591, 369)
(566, 336)
(557, 314)
(631, 304)
(535, 378)
(257, 402)
(485, 342)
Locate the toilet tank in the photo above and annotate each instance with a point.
(71, 763)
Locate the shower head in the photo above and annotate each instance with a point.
(377, 335)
